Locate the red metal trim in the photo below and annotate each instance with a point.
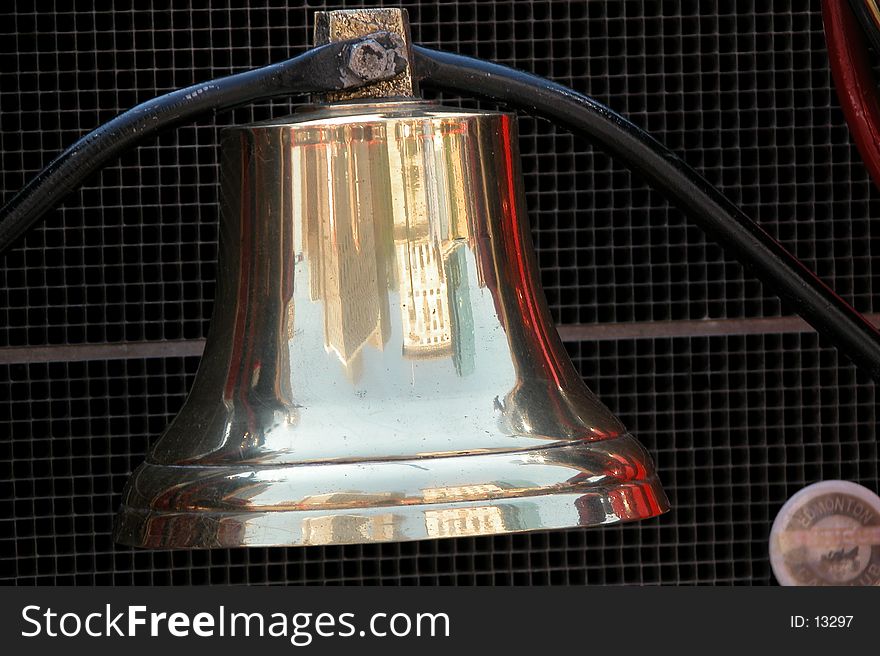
(854, 80)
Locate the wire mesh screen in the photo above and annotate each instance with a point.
(736, 423)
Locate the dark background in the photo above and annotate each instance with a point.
(737, 422)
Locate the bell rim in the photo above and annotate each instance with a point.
(571, 499)
(133, 527)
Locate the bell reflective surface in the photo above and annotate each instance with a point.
(381, 363)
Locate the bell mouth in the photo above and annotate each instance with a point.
(562, 486)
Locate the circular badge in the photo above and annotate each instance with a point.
(827, 534)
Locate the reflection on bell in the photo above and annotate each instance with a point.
(381, 363)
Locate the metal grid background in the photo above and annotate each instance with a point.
(737, 423)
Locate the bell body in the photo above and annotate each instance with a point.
(381, 364)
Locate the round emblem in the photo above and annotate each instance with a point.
(828, 534)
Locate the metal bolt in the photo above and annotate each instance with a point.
(370, 60)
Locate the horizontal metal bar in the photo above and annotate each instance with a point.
(119, 351)
(585, 332)
(569, 333)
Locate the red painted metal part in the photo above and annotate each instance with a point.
(854, 80)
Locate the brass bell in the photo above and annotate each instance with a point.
(381, 364)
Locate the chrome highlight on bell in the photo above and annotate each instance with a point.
(300, 628)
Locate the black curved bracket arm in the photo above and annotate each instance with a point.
(333, 67)
(767, 259)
